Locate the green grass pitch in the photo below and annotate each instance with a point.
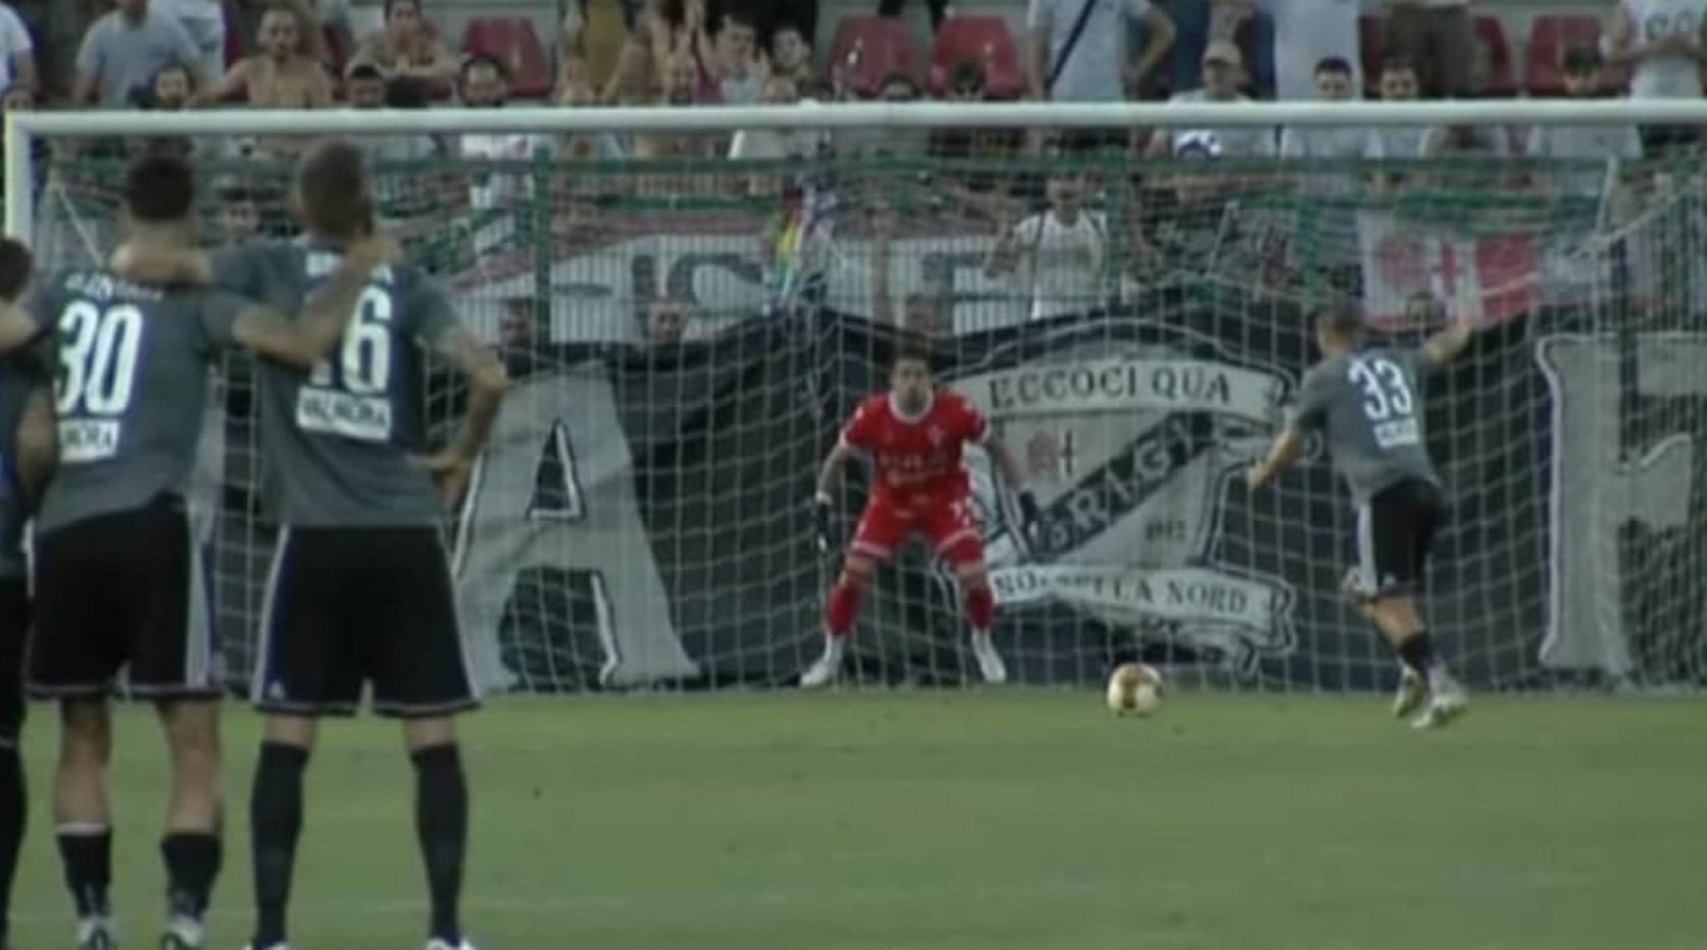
(988, 820)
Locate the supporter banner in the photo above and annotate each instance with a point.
(1495, 277)
(642, 517)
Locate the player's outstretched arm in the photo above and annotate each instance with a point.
(1444, 346)
(325, 315)
(1288, 448)
(829, 476)
(1009, 468)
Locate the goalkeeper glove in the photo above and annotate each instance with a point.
(821, 516)
(1030, 514)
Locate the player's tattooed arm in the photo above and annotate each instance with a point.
(325, 315)
(1444, 346)
(1288, 448)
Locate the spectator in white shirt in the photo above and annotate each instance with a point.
(1399, 84)
(17, 51)
(1582, 144)
(1059, 255)
(123, 50)
(1223, 73)
(484, 84)
(1335, 82)
(1076, 50)
(1664, 43)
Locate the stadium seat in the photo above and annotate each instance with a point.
(1549, 37)
(1495, 65)
(982, 39)
(868, 48)
(1370, 49)
(513, 41)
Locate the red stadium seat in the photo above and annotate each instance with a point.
(513, 41)
(869, 48)
(1498, 71)
(1549, 37)
(982, 39)
(1371, 47)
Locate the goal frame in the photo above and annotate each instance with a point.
(22, 128)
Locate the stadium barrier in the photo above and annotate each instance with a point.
(641, 519)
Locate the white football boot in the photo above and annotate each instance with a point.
(990, 665)
(437, 944)
(1448, 703)
(97, 933)
(183, 933)
(828, 667)
(1413, 692)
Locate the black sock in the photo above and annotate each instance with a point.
(441, 823)
(13, 812)
(275, 822)
(87, 853)
(192, 864)
(1417, 651)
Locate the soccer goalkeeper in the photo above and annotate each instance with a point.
(1366, 399)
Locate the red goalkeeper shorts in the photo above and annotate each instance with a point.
(949, 522)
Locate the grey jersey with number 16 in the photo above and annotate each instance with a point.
(1368, 404)
(131, 389)
(337, 443)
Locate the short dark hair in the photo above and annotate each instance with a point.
(408, 92)
(1333, 65)
(16, 265)
(1396, 63)
(1343, 321)
(159, 188)
(966, 73)
(332, 186)
(478, 60)
(364, 72)
(911, 348)
(1581, 59)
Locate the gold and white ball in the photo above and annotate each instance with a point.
(1134, 689)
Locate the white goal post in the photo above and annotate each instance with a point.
(1134, 327)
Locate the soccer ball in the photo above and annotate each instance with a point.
(1134, 688)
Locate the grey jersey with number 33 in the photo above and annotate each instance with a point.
(130, 391)
(337, 444)
(1368, 403)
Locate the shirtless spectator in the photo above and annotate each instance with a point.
(278, 76)
(407, 46)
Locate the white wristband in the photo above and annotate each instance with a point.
(823, 498)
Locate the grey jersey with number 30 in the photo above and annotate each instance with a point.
(1368, 403)
(131, 389)
(337, 444)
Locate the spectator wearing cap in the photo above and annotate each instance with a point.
(1223, 74)
(1587, 146)
(124, 48)
(1076, 51)
(1438, 37)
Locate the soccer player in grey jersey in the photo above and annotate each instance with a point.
(1367, 401)
(360, 590)
(132, 367)
(26, 461)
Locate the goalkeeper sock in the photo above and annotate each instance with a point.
(192, 865)
(1417, 652)
(13, 813)
(842, 610)
(275, 823)
(441, 823)
(87, 853)
(980, 604)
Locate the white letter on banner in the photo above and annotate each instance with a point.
(594, 531)
(1596, 490)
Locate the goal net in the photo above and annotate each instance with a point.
(688, 334)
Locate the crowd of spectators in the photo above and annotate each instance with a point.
(182, 54)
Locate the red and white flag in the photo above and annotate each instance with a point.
(1491, 278)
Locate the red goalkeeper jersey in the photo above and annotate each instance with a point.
(917, 456)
